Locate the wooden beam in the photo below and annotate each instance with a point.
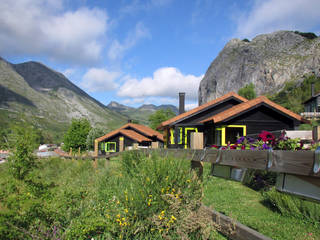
(233, 229)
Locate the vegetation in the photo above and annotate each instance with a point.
(76, 136)
(250, 208)
(292, 206)
(246, 40)
(22, 161)
(137, 198)
(248, 91)
(160, 116)
(294, 94)
(93, 134)
(308, 35)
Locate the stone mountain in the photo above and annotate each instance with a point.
(268, 61)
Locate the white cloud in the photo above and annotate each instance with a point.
(271, 15)
(166, 82)
(45, 28)
(190, 106)
(117, 49)
(99, 80)
(68, 72)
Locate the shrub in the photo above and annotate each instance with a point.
(76, 135)
(246, 40)
(92, 135)
(248, 91)
(22, 161)
(293, 206)
(308, 35)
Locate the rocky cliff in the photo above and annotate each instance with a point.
(268, 61)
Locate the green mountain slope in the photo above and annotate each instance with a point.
(141, 114)
(31, 92)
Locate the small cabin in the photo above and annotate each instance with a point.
(128, 137)
(226, 118)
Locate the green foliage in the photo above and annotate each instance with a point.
(138, 198)
(308, 35)
(294, 94)
(25, 140)
(76, 136)
(248, 91)
(246, 40)
(260, 180)
(160, 116)
(293, 206)
(93, 134)
(248, 207)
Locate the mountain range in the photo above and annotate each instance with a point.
(140, 114)
(32, 92)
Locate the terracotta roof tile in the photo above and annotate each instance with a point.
(249, 104)
(144, 129)
(135, 136)
(203, 106)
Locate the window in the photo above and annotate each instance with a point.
(179, 140)
(110, 147)
(229, 134)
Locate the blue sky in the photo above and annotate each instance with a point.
(138, 52)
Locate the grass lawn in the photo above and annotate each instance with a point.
(246, 206)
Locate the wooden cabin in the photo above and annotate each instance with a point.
(224, 119)
(127, 137)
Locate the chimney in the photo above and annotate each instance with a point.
(312, 89)
(181, 102)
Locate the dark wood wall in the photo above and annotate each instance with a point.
(116, 139)
(263, 118)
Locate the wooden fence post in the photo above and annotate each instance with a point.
(316, 133)
(121, 144)
(196, 142)
(96, 149)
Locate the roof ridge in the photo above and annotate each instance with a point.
(201, 107)
(253, 102)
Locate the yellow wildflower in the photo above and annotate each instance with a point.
(126, 210)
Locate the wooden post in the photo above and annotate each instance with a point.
(135, 146)
(70, 152)
(155, 145)
(196, 142)
(96, 148)
(121, 144)
(316, 133)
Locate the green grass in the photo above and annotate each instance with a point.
(246, 206)
(135, 197)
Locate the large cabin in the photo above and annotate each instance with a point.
(226, 118)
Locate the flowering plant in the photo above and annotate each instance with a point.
(265, 141)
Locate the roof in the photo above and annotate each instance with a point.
(133, 134)
(202, 107)
(129, 133)
(144, 129)
(238, 109)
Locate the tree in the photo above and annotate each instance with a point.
(160, 116)
(25, 141)
(248, 91)
(76, 135)
(94, 134)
